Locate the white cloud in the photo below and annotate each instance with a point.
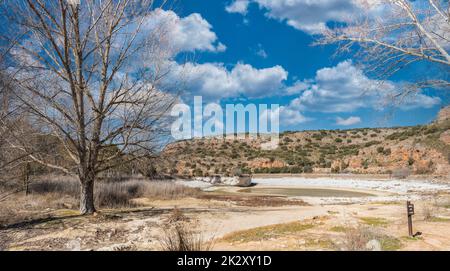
(345, 88)
(215, 81)
(261, 52)
(285, 115)
(238, 6)
(185, 34)
(297, 87)
(306, 15)
(348, 121)
(292, 116)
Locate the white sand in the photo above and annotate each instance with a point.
(392, 186)
(383, 190)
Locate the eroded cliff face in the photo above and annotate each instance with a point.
(419, 159)
(443, 115)
(416, 150)
(266, 163)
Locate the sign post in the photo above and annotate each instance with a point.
(410, 210)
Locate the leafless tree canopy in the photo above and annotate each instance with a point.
(88, 75)
(395, 34)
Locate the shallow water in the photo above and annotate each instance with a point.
(306, 192)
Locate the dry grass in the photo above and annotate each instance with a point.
(357, 239)
(374, 221)
(429, 212)
(321, 243)
(179, 234)
(113, 194)
(437, 210)
(444, 203)
(339, 229)
(267, 232)
(62, 192)
(254, 201)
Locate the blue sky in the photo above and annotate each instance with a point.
(261, 41)
(260, 51)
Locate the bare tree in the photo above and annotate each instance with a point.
(394, 34)
(88, 75)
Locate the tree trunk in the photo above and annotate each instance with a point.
(87, 196)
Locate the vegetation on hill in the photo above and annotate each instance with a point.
(417, 149)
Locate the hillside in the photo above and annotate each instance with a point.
(402, 150)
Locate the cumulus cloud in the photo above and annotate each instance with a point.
(348, 121)
(285, 115)
(306, 15)
(297, 87)
(345, 88)
(292, 116)
(238, 6)
(214, 81)
(184, 34)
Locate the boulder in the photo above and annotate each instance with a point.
(244, 180)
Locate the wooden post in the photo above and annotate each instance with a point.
(410, 211)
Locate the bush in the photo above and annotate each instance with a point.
(296, 169)
(179, 235)
(307, 169)
(365, 163)
(358, 239)
(401, 173)
(431, 130)
(198, 172)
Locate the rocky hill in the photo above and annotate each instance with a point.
(403, 150)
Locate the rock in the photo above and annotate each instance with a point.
(266, 163)
(216, 180)
(73, 245)
(373, 245)
(443, 115)
(232, 181)
(445, 137)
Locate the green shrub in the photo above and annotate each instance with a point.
(371, 143)
(307, 169)
(365, 164)
(431, 130)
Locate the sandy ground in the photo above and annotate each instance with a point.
(328, 220)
